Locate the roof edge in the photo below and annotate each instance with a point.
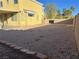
(37, 2)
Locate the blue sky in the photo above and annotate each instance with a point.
(63, 4)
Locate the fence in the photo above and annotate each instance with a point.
(76, 27)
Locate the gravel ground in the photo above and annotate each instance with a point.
(9, 53)
(56, 41)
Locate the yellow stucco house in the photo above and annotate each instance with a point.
(21, 13)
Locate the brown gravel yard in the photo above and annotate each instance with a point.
(56, 41)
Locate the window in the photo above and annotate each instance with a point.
(1, 4)
(15, 1)
(31, 14)
(14, 17)
(7, 1)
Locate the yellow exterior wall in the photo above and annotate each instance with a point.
(22, 9)
(32, 6)
(9, 6)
